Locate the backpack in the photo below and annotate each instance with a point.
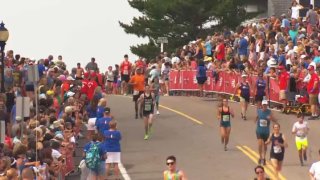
(93, 157)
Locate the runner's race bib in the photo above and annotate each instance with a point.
(263, 123)
(147, 107)
(277, 149)
(135, 92)
(226, 118)
(125, 72)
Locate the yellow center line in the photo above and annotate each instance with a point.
(254, 159)
(269, 165)
(182, 114)
(244, 149)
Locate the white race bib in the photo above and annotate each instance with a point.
(225, 118)
(147, 107)
(277, 149)
(125, 72)
(135, 92)
(263, 123)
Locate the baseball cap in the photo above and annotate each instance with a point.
(264, 102)
(18, 118)
(70, 78)
(310, 67)
(107, 109)
(244, 75)
(303, 56)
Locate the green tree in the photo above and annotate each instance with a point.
(181, 21)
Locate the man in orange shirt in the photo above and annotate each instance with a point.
(137, 81)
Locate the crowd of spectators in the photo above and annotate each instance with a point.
(42, 146)
(285, 48)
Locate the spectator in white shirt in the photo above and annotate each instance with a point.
(315, 170)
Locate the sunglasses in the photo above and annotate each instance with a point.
(259, 172)
(170, 163)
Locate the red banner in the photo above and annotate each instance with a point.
(175, 80)
(224, 83)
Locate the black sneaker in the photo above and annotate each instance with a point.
(264, 162)
(305, 157)
(136, 116)
(259, 161)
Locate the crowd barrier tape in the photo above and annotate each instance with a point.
(185, 80)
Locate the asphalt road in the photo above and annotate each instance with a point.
(188, 129)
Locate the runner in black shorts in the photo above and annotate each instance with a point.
(148, 101)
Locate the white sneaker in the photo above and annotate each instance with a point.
(125, 94)
(158, 113)
(166, 95)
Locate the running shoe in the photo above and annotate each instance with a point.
(241, 116)
(146, 137)
(305, 157)
(301, 162)
(225, 148)
(244, 118)
(260, 161)
(264, 162)
(136, 116)
(158, 113)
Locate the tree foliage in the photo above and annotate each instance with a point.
(181, 21)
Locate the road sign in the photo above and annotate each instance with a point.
(162, 40)
(23, 107)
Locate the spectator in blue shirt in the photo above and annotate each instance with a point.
(100, 172)
(243, 48)
(208, 47)
(201, 76)
(101, 107)
(102, 123)
(112, 145)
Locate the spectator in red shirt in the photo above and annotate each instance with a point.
(220, 51)
(283, 79)
(92, 84)
(313, 91)
(84, 88)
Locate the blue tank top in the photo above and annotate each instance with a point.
(263, 123)
(202, 71)
(245, 90)
(261, 86)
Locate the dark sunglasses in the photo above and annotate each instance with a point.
(171, 163)
(259, 172)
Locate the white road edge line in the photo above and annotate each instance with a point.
(123, 172)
